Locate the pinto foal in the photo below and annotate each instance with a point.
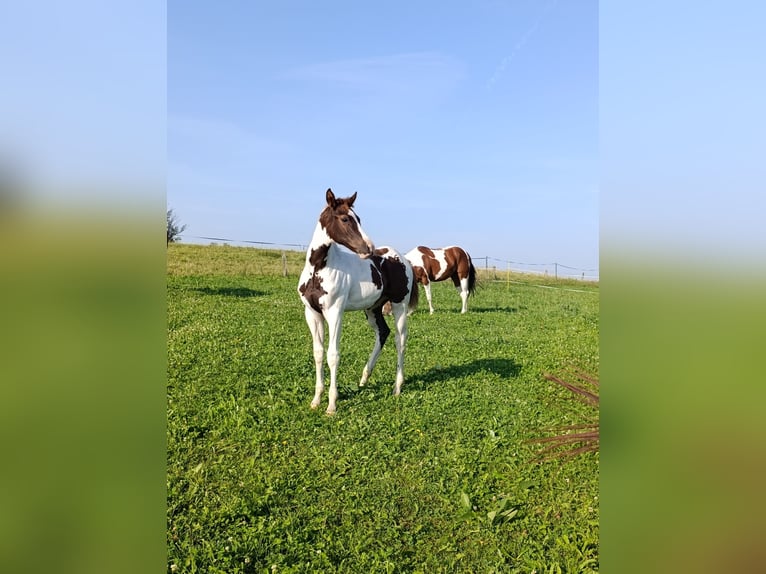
(334, 281)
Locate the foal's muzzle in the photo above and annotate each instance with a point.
(370, 251)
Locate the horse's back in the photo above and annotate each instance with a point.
(415, 256)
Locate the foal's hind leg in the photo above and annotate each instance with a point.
(381, 328)
(400, 338)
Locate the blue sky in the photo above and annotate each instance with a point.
(470, 123)
(473, 123)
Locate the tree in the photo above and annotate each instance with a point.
(174, 228)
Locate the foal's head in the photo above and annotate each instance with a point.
(342, 224)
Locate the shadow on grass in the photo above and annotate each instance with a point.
(506, 368)
(230, 291)
(456, 311)
(493, 310)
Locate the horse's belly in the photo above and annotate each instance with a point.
(362, 296)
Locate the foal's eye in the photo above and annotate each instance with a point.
(344, 219)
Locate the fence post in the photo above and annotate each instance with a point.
(284, 264)
(556, 270)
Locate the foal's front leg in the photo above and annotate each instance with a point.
(316, 326)
(333, 317)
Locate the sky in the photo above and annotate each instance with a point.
(480, 123)
(468, 123)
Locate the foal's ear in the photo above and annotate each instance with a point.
(330, 197)
(351, 200)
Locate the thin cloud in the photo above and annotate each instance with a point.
(386, 75)
(520, 44)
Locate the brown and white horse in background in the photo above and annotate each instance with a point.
(334, 281)
(440, 264)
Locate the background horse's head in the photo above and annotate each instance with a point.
(343, 225)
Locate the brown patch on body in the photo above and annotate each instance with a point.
(318, 257)
(312, 290)
(455, 263)
(459, 262)
(414, 296)
(394, 278)
(377, 277)
(420, 274)
(431, 267)
(426, 251)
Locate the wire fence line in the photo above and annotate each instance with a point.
(299, 245)
(545, 286)
(556, 269)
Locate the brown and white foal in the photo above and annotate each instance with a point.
(334, 281)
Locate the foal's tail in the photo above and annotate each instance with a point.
(471, 276)
(414, 294)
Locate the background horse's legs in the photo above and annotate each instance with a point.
(333, 317)
(400, 321)
(381, 328)
(463, 289)
(427, 287)
(316, 326)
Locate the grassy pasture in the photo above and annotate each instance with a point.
(439, 479)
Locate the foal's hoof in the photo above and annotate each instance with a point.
(330, 413)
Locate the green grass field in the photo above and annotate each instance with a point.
(439, 479)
